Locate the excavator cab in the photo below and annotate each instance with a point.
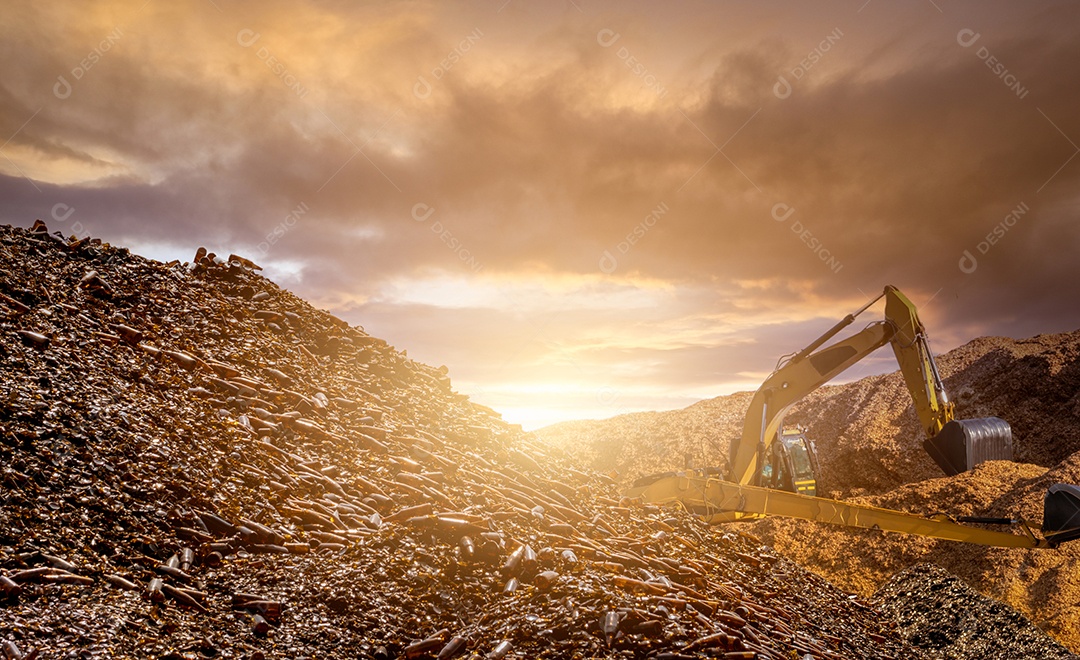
(792, 465)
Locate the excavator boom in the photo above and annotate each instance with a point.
(814, 366)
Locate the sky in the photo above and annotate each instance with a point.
(581, 208)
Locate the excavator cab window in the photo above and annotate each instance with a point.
(766, 474)
(783, 473)
(794, 463)
(776, 471)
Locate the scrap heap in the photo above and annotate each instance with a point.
(196, 463)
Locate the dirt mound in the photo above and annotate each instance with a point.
(196, 463)
(938, 612)
(867, 435)
(643, 443)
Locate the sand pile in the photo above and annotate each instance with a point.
(197, 464)
(644, 443)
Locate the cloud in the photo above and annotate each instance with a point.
(589, 161)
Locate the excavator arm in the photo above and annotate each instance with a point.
(912, 350)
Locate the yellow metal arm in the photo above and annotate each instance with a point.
(722, 501)
(813, 366)
(916, 362)
(788, 385)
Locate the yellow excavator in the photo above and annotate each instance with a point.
(773, 469)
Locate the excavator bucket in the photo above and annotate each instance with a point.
(1061, 513)
(964, 443)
